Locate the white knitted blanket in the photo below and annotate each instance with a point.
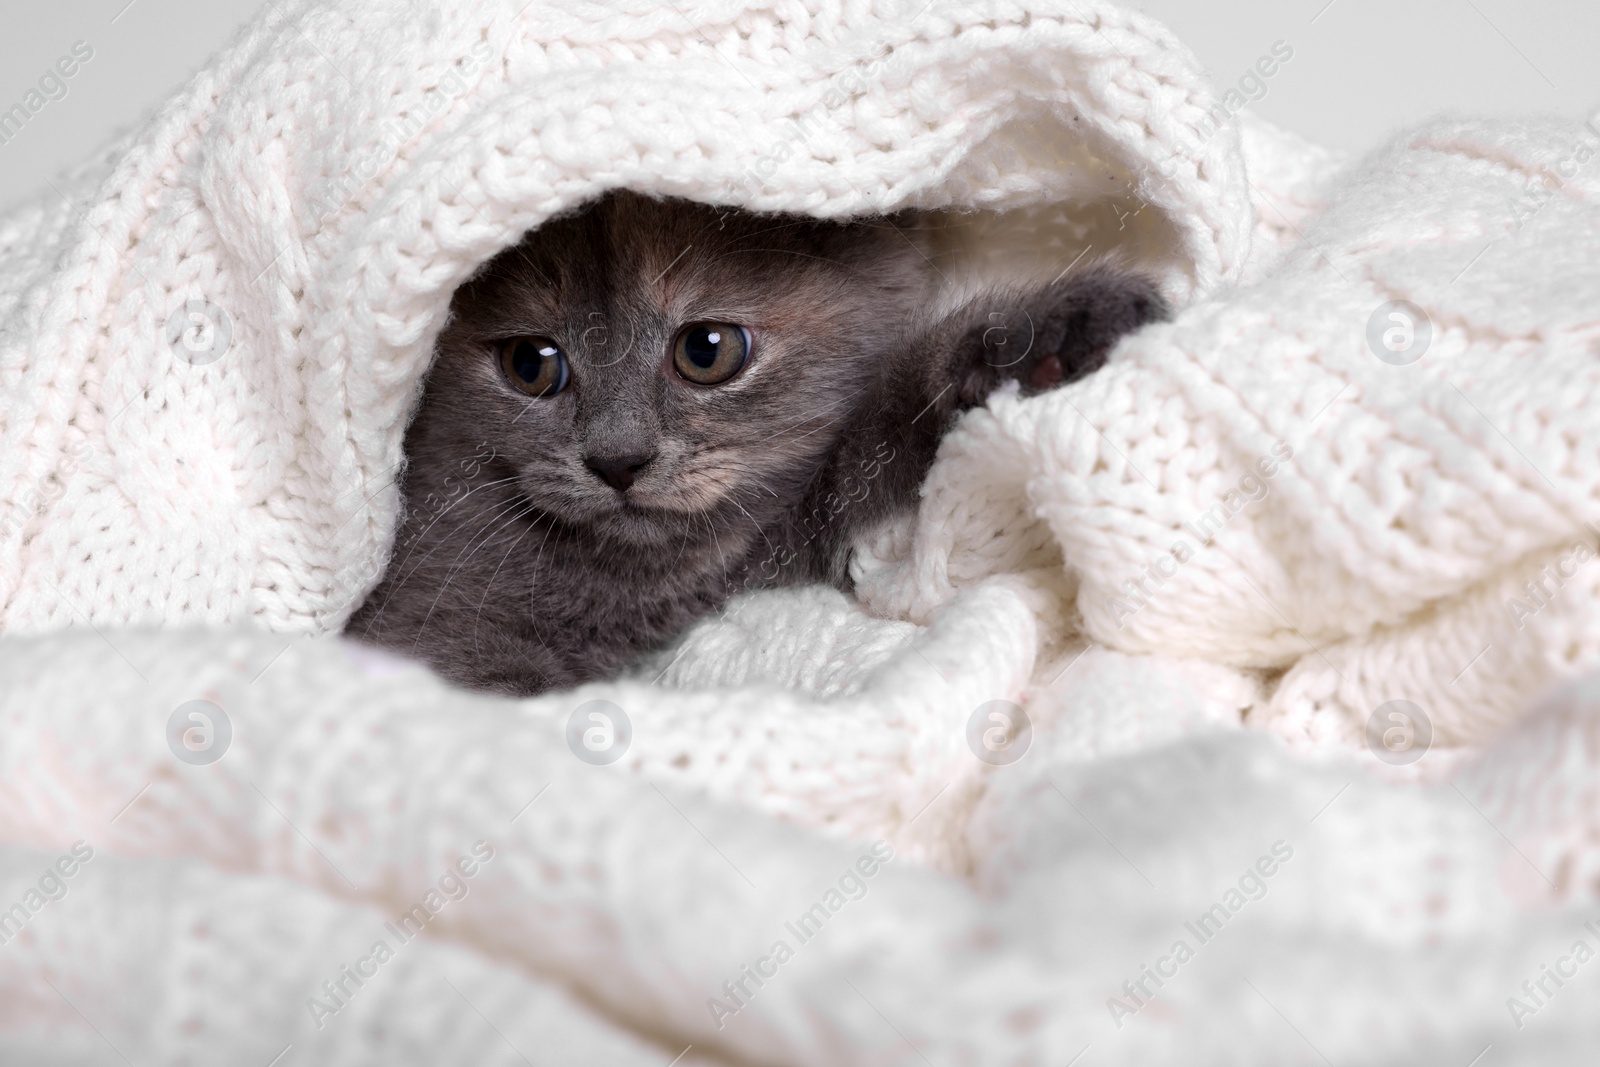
(1353, 470)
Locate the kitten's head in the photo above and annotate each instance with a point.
(644, 363)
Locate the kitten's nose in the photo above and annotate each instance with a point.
(618, 471)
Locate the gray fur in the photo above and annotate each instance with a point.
(521, 566)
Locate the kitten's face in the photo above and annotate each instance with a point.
(644, 365)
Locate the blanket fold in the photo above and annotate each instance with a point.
(1274, 481)
(348, 795)
(1038, 794)
(211, 345)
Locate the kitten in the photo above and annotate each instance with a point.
(649, 405)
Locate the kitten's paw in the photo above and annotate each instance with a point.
(1057, 335)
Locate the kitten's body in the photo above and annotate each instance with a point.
(537, 551)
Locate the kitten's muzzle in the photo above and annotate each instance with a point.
(619, 471)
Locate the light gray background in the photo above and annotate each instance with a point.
(1361, 68)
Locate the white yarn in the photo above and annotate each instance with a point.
(643, 886)
(778, 741)
(1389, 555)
(325, 184)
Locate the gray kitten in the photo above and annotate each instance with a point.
(650, 405)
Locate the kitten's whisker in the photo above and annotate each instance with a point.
(518, 512)
(397, 567)
(423, 533)
(533, 619)
(515, 505)
(753, 522)
(721, 556)
(539, 558)
(687, 525)
(794, 425)
(394, 579)
(455, 565)
(488, 587)
(421, 563)
(813, 430)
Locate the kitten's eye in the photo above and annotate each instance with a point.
(536, 365)
(709, 353)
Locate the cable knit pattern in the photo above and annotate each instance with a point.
(642, 887)
(318, 192)
(1253, 484)
(315, 195)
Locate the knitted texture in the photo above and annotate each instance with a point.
(1294, 478)
(1393, 924)
(317, 193)
(211, 339)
